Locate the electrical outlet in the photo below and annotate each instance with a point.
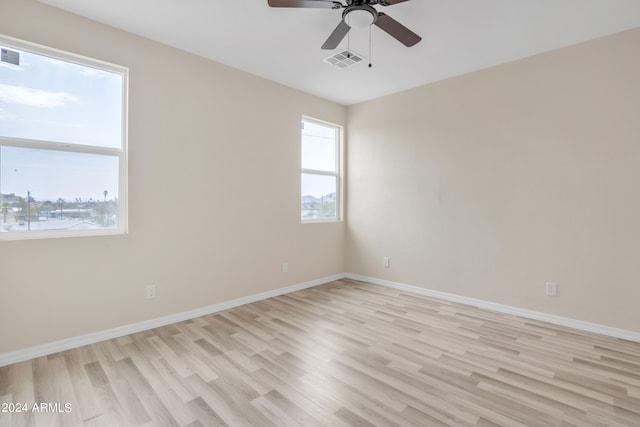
(551, 289)
(151, 291)
(385, 262)
(285, 267)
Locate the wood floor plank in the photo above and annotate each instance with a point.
(346, 353)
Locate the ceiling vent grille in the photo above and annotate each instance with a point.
(344, 59)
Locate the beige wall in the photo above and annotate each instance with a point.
(485, 185)
(213, 149)
(490, 184)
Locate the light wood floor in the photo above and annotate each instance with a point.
(345, 353)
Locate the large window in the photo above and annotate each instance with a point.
(62, 144)
(320, 198)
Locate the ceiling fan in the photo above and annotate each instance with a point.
(357, 13)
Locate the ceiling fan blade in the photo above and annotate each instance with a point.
(397, 30)
(390, 2)
(317, 4)
(336, 37)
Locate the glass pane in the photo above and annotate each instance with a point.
(319, 147)
(56, 190)
(318, 196)
(47, 99)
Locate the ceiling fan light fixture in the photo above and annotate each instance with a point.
(361, 17)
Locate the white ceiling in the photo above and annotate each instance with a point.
(283, 44)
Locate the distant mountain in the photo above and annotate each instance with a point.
(312, 199)
(309, 199)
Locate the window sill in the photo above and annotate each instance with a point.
(320, 221)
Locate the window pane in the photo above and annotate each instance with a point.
(43, 98)
(56, 190)
(318, 196)
(318, 147)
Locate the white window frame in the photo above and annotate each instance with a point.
(337, 174)
(121, 152)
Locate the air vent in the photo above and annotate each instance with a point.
(344, 59)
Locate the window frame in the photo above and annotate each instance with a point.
(337, 174)
(121, 153)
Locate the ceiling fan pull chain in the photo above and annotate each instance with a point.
(348, 40)
(369, 46)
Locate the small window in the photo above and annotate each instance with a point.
(62, 144)
(320, 199)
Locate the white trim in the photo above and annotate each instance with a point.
(338, 173)
(121, 151)
(508, 309)
(74, 342)
(62, 55)
(71, 147)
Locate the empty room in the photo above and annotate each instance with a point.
(319, 213)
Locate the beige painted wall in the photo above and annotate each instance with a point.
(213, 194)
(485, 185)
(490, 184)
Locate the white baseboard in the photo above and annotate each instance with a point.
(501, 308)
(74, 342)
